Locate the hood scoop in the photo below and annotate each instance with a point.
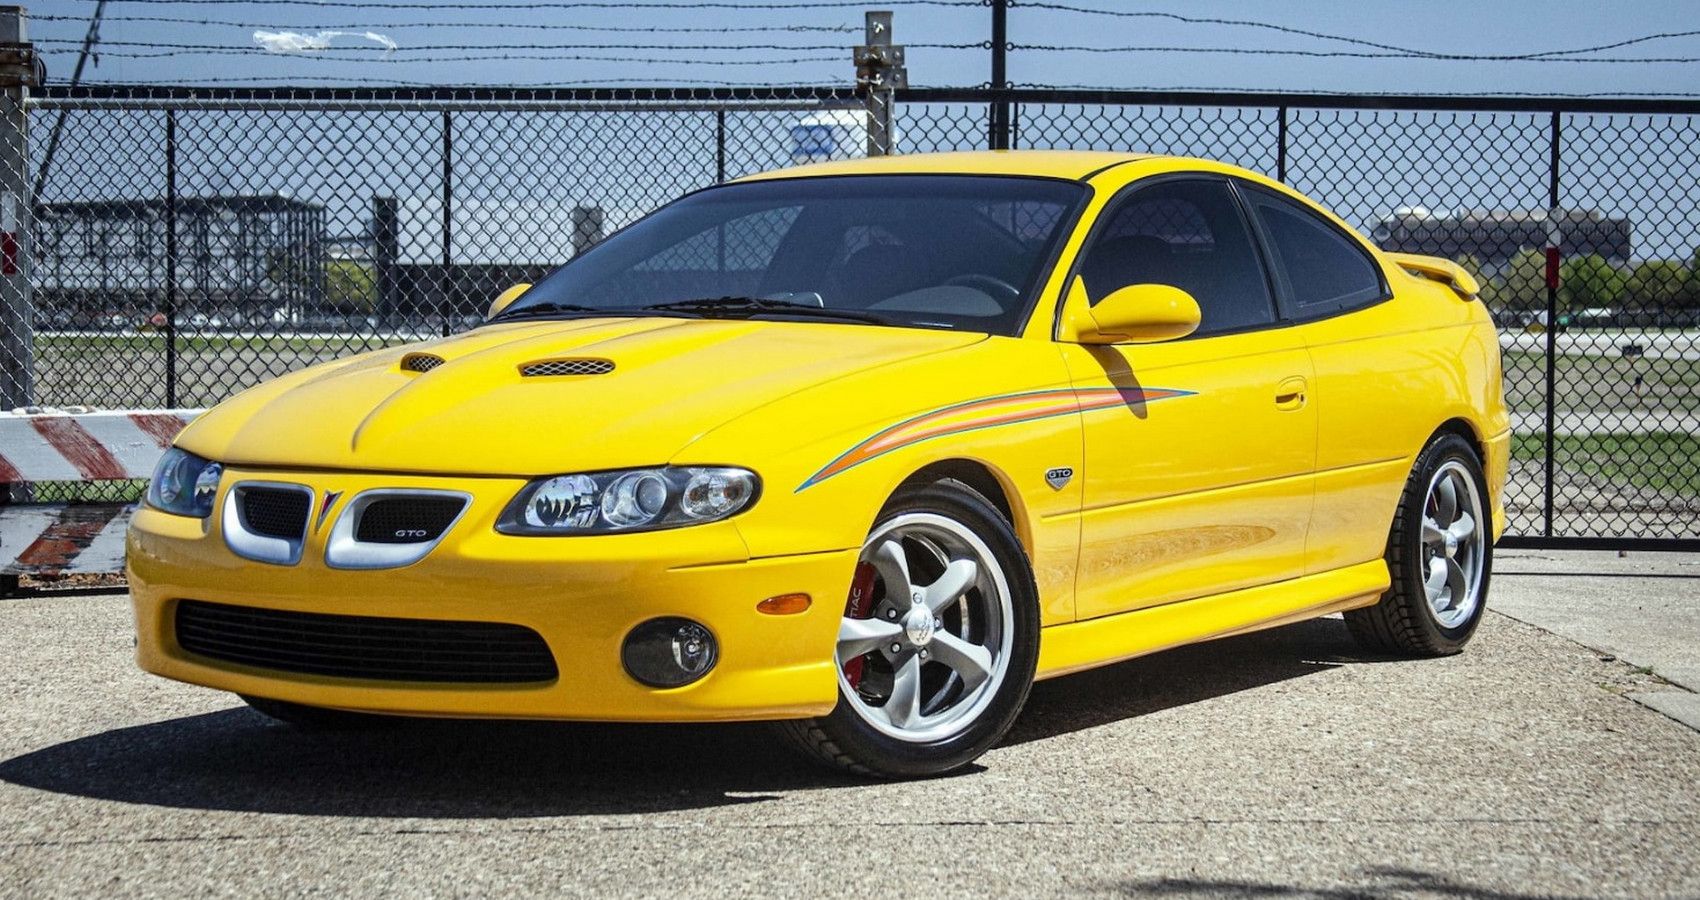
(554, 368)
(420, 362)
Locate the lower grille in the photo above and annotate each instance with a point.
(275, 512)
(367, 647)
(406, 520)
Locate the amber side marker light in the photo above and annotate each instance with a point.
(784, 604)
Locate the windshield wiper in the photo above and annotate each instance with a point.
(735, 307)
(551, 306)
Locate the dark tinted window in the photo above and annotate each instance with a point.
(1188, 234)
(1324, 269)
(940, 251)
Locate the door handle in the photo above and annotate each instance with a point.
(1290, 393)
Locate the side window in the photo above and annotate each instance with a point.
(1324, 270)
(1189, 234)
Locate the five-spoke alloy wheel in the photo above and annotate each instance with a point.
(1439, 554)
(932, 644)
(938, 641)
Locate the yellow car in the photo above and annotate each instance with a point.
(863, 447)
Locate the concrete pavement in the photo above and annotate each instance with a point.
(1643, 608)
(1284, 763)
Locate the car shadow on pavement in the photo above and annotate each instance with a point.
(1182, 676)
(237, 759)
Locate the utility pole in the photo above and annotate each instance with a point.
(879, 73)
(90, 38)
(19, 71)
(997, 137)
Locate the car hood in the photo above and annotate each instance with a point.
(477, 412)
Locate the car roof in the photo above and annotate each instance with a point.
(1073, 165)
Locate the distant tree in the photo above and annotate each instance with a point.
(1590, 282)
(1663, 284)
(1522, 286)
(350, 286)
(1472, 265)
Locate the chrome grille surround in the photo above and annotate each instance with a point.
(345, 550)
(246, 542)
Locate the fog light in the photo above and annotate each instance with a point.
(668, 653)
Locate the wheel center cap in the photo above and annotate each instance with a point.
(1451, 545)
(918, 626)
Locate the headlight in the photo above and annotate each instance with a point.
(184, 484)
(629, 500)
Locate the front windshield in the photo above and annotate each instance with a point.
(932, 251)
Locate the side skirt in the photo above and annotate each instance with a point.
(1076, 646)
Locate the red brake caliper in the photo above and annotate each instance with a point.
(861, 606)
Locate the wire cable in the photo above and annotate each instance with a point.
(166, 45)
(540, 57)
(1351, 54)
(1322, 35)
(572, 4)
(528, 26)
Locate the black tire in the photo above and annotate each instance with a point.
(843, 740)
(1403, 623)
(317, 718)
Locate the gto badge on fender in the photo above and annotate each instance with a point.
(1058, 477)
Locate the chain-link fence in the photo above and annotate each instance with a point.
(189, 243)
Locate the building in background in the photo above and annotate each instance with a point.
(1493, 237)
(246, 258)
(492, 245)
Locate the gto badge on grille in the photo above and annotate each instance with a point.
(330, 499)
(1058, 477)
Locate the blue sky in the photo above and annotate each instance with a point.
(1499, 26)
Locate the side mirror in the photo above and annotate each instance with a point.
(506, 298)
(1136, 314)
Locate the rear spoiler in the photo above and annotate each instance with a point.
(1444, 271)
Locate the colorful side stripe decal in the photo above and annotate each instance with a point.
(990, 412)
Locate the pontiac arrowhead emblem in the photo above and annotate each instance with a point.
(330, 499)
(1058, 477)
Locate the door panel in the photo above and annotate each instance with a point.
(1205, 490)
(1200, 480)
(1378, 394)
(1374, 382)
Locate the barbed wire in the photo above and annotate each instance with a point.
(528, 26)
(475, 57)
(418, 48)
(191, 49)
(1348, 54)
(1323, 35)
(358, 81)
(1218, 89)
(570, 4)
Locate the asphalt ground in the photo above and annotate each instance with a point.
(1284, 763)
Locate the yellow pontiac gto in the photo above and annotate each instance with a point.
(863, 447)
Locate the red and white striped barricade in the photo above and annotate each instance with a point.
(48, 449)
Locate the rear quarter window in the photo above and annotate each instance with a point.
(1324, 270)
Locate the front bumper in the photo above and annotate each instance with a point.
(581, 594)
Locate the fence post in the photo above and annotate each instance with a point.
(171, 259)
(18, 73)
(384, 251)
(1554, 244)
(879, 73)
(1281, 144)
(445, 307)
(998, 134)
(720, 146)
